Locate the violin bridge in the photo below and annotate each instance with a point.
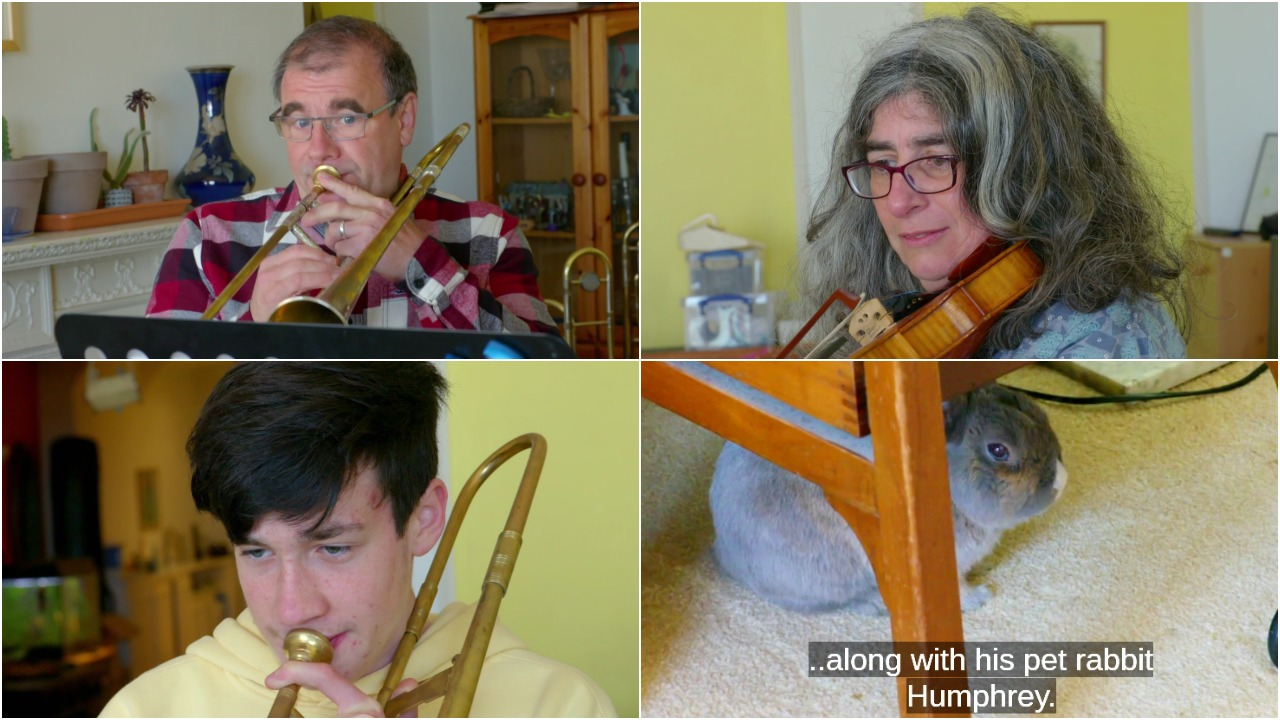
(869, 321)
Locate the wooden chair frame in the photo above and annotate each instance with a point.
(899, 505)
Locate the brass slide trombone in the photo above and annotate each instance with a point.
(334, 304)
(590, 282)
(457, 684)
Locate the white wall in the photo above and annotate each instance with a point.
(826, 42)
(1235, 100)
(77, 56)
(438, 37)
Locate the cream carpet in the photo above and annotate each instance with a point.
(1166, 533)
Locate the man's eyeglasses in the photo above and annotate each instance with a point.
(347, 126)
(926, 175)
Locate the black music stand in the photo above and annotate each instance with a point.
(117, 337)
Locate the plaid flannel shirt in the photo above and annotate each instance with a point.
(474, 272)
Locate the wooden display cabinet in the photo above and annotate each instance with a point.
(557, 129)
(1231, 284)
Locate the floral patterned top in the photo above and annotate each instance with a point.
(1122, 330)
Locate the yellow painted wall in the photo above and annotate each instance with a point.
(575, 593)
(151, 434)
(354, 9)
(717, 138)
(1147, 69)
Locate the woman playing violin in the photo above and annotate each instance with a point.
(970, 128)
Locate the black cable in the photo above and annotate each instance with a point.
(1108, 399)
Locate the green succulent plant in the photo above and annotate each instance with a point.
(116, 180)
(8, 154)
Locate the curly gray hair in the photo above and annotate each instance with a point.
(1042, 162)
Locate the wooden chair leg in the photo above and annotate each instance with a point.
(917, 542)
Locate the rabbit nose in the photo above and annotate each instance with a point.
(1059, 480)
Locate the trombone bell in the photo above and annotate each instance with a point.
(303, 309)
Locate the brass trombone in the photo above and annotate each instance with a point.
(630, 284)
(457, 684)
(590, 282)
(289, 224)
(334, 304)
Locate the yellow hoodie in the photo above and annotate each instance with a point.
(221, 675)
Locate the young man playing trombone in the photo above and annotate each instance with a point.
(348, 99)
(324, 477)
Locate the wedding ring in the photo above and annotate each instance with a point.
(342, 229)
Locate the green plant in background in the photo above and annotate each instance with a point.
(138, 101)
(8, 154)
(126, 152)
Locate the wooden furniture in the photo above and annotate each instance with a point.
(900, 505)
(1231, 281)
(739, 353)
(107, 270)
(176, 605)
(557, 123)
(78, 685)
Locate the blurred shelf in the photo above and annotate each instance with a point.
(532, 121)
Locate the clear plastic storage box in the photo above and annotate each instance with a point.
(721, 272)
(729, 320)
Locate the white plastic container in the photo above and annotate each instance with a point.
(724, 272)
(729, 320)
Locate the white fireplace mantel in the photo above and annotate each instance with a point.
(106, 271)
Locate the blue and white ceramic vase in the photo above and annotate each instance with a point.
(214, 171)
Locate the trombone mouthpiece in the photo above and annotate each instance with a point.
(316, 187)
(308, 646)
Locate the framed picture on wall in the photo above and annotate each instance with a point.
(1262, 192)
(148, 501)
(9, 11)
(1085, 44)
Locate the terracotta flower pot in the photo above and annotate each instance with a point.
(74, 182)
(23, 185)
(147, 186)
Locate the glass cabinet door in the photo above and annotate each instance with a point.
(615, 39)
(529, 163)
(558, 143)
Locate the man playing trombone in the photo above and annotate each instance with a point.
(348, 99)
(324, 477)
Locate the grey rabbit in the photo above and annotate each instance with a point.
(776, 534)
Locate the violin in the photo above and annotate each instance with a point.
(952, 323)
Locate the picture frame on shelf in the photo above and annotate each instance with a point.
(548, 205)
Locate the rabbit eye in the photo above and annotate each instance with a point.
(998, 451)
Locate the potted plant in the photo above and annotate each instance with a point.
(23, 185)
(116, 193)
(148, 185)
(74, 182)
